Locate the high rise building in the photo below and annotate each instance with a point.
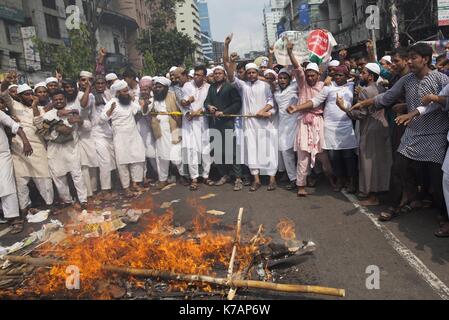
(272, 14)
(218, 52)
(188, 22)
(206, 34)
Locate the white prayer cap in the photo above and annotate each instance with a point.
(209, 72)
(86, 74)
(192, 73)
(313, 66)
(269, 71)
(388, 59)
(172, 69)
(40, 84)
(251, 66)
(23, 87)
(334, 63)
(119, 85)
(373, 67)
(13, 86)
(167, 75)
(50, 80)
(111, 77)
(162, 80)
(286, 71)
(146, 78)
(219, 68)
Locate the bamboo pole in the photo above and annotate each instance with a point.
(180, 114)
(233, 291)
(251, 284)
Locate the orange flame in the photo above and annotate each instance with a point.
(286, 228)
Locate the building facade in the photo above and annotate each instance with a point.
(206, 34)
(272, 15)
(218, 52)
(188, 22)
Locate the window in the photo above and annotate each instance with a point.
(51, 4)
(116, 46)
(52, 24)
(72, 2)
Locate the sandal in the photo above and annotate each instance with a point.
(223, 181)
(389, 214)
(291, 186)
(209, 182)
(302, 194)
(272, 187)
(255, 187)
(443, 232)
(238, 185)
(194, 186)
(17, 226)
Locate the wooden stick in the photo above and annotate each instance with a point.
(233, 291)
(251, 284)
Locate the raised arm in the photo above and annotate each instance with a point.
(229, 66)
(293, 59)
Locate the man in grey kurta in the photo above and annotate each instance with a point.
(375, 157)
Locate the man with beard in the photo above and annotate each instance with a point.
(375, 156)
(52, 85)
(339, 136)
(12, 90)
(285, 95)
(63, 148)
(143, 125)
(261, 140)
(103, 137)
(195, 136)
(166, 130)
(128, 144)
(41, 92)
(35, 167)
(221, 100)
(82, 101)
(181, 78)
(309, 141)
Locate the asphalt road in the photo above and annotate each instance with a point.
(413, 264)
(347, 240)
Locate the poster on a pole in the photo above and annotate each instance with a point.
(443, 13)
(315, 46)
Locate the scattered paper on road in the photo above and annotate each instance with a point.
(166, 205)
(38, 217)
(169, 187)
(216, 212)
(208, 196)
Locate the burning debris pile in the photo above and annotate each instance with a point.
(160, 260)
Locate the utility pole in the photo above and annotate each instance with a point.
(395, 24)
(292, 18)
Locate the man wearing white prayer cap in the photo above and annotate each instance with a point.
(29, 112)
(270, 75)
(41, 92)
(86, 74)
(191, 74)
(195, 140)
(257, 100)
(375, 158)
(52, 85)
(12, 90)
(110, 79)
(128, 144)
(166, 130)
(313, 67)
(210, 76)
(386, 63)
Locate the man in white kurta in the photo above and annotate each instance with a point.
(34, 167)
(261, 139)
(195, 135)
(102, 135)
(8, 195)
(143, 125)
(128, 144)
(166, 130)
(63, 149)
(286, 94)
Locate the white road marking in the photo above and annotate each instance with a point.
(424, 272)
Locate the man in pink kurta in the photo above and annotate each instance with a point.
(310, 135)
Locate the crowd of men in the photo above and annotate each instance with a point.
(369, 126)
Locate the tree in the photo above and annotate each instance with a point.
(69, 59)
(169, 48)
